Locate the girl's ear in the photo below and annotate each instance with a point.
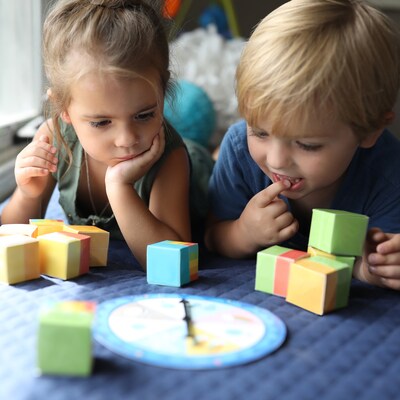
(64, 115)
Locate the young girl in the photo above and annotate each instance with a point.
(316, 84)
(118, 163)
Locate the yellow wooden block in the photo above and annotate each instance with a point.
(318, 284)
(99, 242)
(19, 229)
(19, 259)
(64, 255)
(47, 225)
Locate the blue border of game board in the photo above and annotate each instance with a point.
(275, 335)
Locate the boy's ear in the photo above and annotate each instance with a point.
(371, 139)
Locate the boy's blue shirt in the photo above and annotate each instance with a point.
(371, 185)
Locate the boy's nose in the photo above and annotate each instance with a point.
(278, 155)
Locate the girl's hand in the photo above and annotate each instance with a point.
(381, 261)
(266, 220)
(33, 166)
(132, 170)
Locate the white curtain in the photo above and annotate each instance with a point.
(20, 60)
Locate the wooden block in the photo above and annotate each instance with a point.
(19, 229)
(272, 269)
(64, 343)
(19, 259)
(172, 263)
(99, 242)
(319, 284)
(338, 232)
(47, 225)
(348, 260)
(64, 255)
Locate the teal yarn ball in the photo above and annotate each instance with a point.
(191, 113)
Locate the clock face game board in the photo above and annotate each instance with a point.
(187, 331)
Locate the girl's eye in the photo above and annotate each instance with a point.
(145, 116)
(99, 124)
(309, 147)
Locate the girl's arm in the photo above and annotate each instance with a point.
(35, 184)
(166, 218)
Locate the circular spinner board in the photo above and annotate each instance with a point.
(186, 331)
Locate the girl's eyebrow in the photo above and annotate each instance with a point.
(101, 116)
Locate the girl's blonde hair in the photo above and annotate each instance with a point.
(311, 55)
(120, 37)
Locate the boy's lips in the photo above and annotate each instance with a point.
(295, 182)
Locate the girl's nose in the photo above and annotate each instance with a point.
(127, 136)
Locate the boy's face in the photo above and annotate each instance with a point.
(115, 119)
(314, 160)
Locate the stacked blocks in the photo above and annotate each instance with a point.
(64, 345)
(19, 259)
(272, 271)
(64, 255)
(99, 241)
(319, 280)
(69, 251)
(172, 263)
(338, 232)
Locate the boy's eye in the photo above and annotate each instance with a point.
(309, 147)
(145, 116)
(99, 124)
(258, 133)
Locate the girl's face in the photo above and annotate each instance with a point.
(115, 119)
(314, 161)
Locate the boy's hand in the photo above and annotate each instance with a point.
(132, 170)
(266, 219)
(33, 165)
(381, 261)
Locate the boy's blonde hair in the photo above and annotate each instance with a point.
(311, 55)
(120, 37)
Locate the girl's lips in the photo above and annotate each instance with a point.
(296, 183)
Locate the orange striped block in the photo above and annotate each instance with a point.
(273, 267)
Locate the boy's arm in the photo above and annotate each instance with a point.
(380, 264)
(264, 221)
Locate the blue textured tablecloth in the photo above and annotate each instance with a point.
(353, 353)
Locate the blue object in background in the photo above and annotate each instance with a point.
(192, 113)
(215, 15)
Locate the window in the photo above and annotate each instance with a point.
(20, 67)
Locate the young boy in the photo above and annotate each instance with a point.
(316, 84)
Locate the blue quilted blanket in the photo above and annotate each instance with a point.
(352, 353)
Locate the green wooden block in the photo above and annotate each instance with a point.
(65, 338)
(338, 232)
